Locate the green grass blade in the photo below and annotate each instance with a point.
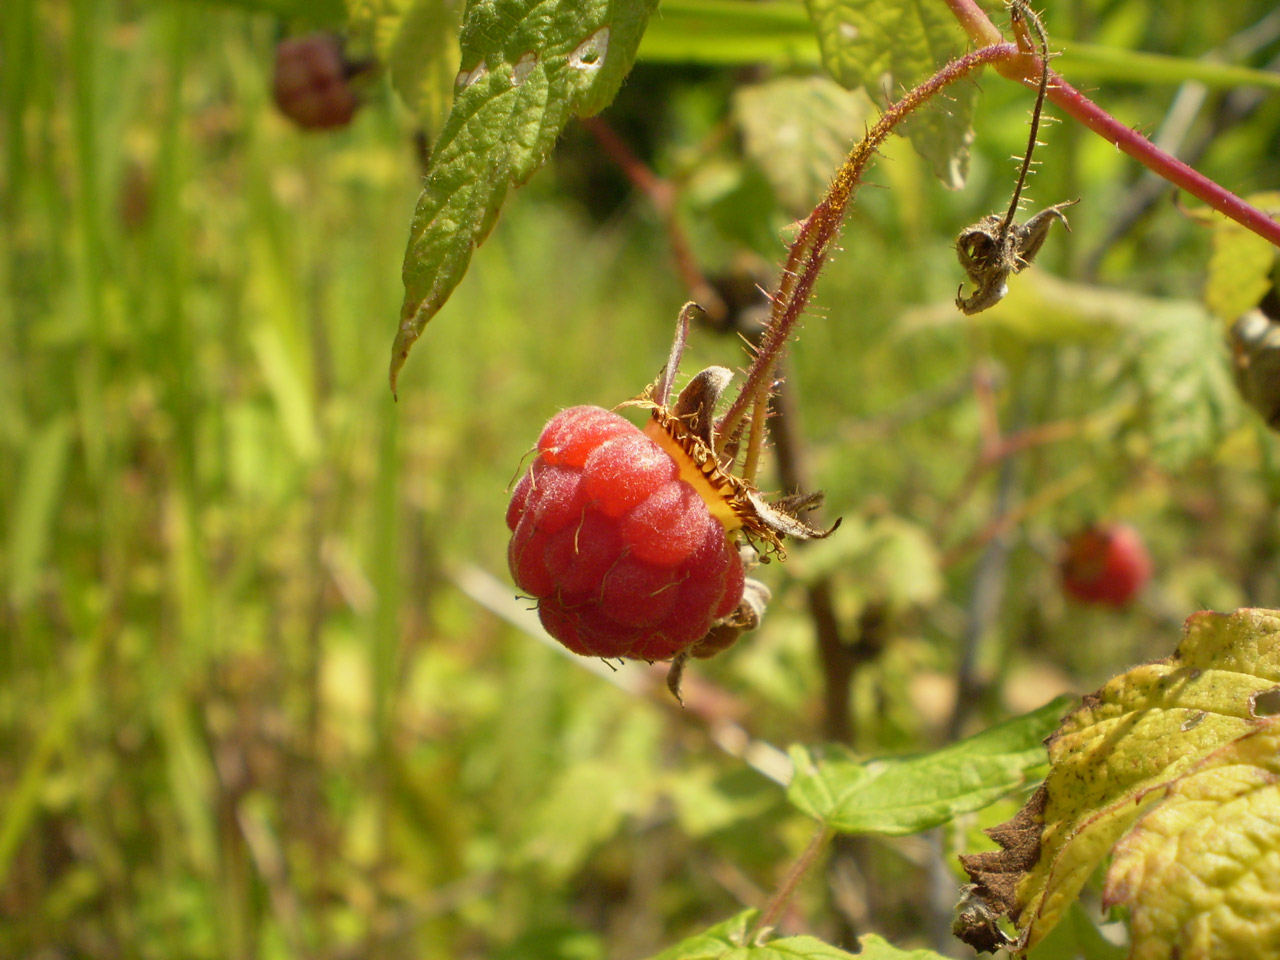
(31, 525)
(1111, 63)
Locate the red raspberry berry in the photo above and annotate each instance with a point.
(311, 82)
(1105, 564)
(623, 556)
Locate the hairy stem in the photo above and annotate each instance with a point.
(1027, 69)
(809, 252)
(785, 892)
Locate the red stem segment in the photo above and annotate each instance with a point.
(1170, 167)
(1026, 69)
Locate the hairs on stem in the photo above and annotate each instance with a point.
(809, 253)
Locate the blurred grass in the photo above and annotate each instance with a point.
(226, 604)
(244, 712)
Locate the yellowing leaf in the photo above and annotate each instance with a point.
(1240, 267)
(1201, 871)
(1109, 761)
(798, 129)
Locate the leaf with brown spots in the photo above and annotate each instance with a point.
(1117, 757)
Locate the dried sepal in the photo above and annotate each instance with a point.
(686, 430)
(726, 631)
(989, 251)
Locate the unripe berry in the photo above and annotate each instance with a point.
(1105, 565)
(623, 556)
(311, 85)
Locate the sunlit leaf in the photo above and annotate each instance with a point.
(1167, 373)
(713, 943)
(728, 941)
(889, 46)
(902, 795)
(1241, 264)
(417, 40)
(1198, 872)
(1188, 399)
(1112, 757)
(526, 68)
(876, 948)
(798, 130)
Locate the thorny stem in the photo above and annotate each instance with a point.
(1021, 16)
(783, 896)
(809, 252)
(1027, 68)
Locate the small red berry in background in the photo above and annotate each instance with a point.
(1106, 564)
(623, 556)
(311, 85)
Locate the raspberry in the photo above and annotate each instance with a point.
(310, 85)
(623, 556)
(1105, 565)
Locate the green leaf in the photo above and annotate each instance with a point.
(902, 795)
(794, 948)
(1189, 402)
(876, 948)
(560, 837)
(713, 943)
(797, 130)
(1077, 937)
(1175, 389)
(889, 46)
(420, 58)
(527, 67)
(727, 941)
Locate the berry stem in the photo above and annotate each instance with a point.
(1026, 68)
(809, 252)
(785, 892)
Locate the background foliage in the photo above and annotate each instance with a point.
(259, 696)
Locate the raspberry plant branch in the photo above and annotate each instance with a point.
(809, 252)
(1026, 68)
